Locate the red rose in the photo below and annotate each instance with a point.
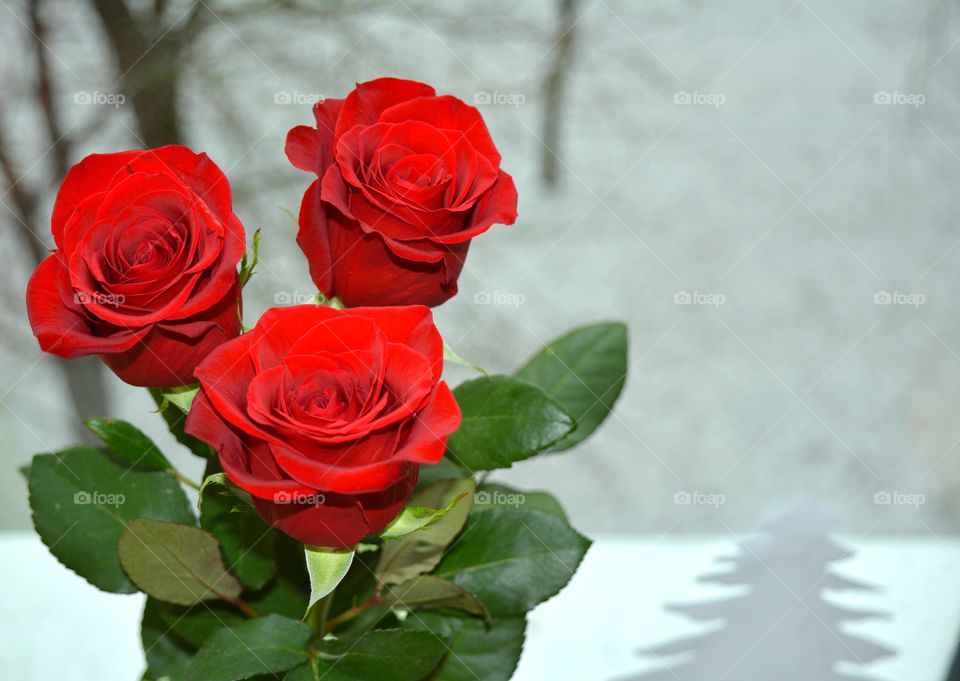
(406, 179)
(324, 415)
(144, 273)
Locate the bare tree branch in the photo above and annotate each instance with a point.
(554, 90)
(83, 376)
(148, 61)
(61, 146)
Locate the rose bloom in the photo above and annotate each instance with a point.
(405, 179)
(324, 416)
(144, 272)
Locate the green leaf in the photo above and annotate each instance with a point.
(246, 540)
(451, 356)
(221, 480)
(182, 397)
(129, 443)
(478, 651)
(195, 624)
(326, 567)
(82, 500)
(173, 413)
(248, 263)
(263, 645)
(584, 371)
(514, 558)
(427, 591)
(491, 495)
(175, 563)
(504, 420)
(321, 299)
(413, 518)
(305, 673)
(168, 656)
(445, 468)
(380, 655)
(416, 553)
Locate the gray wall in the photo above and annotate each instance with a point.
(786, 193)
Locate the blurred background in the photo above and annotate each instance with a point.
(765, 191)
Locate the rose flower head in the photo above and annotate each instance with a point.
(324, 416)
(405, 179)
(145, 268)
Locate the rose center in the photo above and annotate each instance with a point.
(317, 400)
(419, 171)
(145, 252)
(153, 242)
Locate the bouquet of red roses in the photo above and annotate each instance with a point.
(344, 528)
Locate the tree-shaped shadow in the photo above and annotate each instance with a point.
(782, 628)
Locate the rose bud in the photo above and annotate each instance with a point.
(144, 272)
(324, 416)
(405, 179)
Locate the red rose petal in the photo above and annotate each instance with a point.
(304, 149)
(338, 477)
(168, 354)
(225, 376)
(92, 175)
(59, 327)
(314, 239)
(412, 325)
(237, 456)
(220, 277)
(427, 439)
(369, 100)
(325, 113)
(447, 113)
(498, 206)
(198, 173)
(341, 520)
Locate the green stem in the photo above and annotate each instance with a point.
(325, 611)
(317, 617)
(348, 615)
(184, 479)
(157, 396)
(242, 606)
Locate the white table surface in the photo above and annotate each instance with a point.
(57, 626)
